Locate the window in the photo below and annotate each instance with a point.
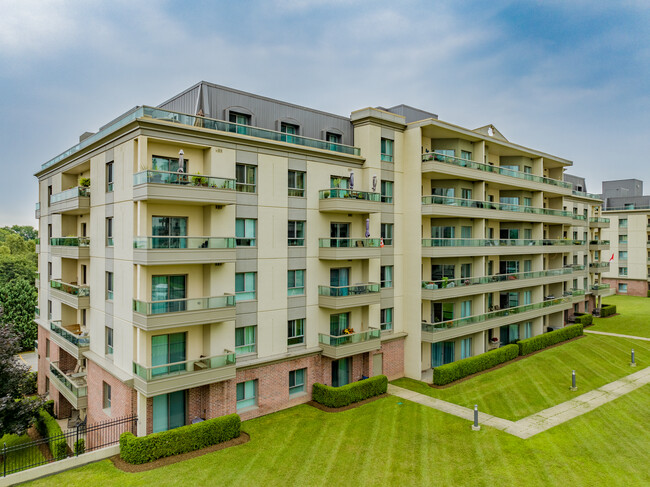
(622, 287)
(109, 177)
(447, 192)
(334, 139)
(84, 274)
(465, 309)
(49, 309)
(442, 271)
(387, 150)
(167, 227)
(528, 297)
(442, 232)
(47, 348)
(296, 332)
(109, 232)
(49, 196)
(168, 349)
(246, 176)
(622, 239)
(288, 128)
(622, 255)
(106, 396)
(528, 329)
(83, 229)
(528, 201)
(466, 194)
(49, 271)
(109, 286)
(442, 312)
(622, 271)
(168, 164)
(296, 234)
(241, 119)
(465, 271)
(49, 230)
(466, 348)
(528, 265)
(109, 341)
(170, 292)
(245, 340)
(339, 182)
(386, 276)
(245, 286)
(528, 170)
(622, 223)
(297, 381)
(246, 394)
(47, 385)
(466, 155)
(386, 319)
(296, 183)
(245, 229)
(387, 191)
(465, 232)
(168, 411)
(387, 233)
(296, 282)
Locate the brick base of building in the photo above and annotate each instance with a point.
(634, 287)
(123, 397)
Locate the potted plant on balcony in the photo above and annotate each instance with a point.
(199, 180)
(84, 182)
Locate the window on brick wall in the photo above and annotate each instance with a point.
(246, 394)
(106, 396)
(297, 381)
(47, 348)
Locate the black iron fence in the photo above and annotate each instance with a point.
(73, 442)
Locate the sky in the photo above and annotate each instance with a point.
(570, 78)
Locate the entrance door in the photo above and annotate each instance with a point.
(341, 372)
(377, 364)
(168, 411)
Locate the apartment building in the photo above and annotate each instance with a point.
(629, 211)
(223, 251)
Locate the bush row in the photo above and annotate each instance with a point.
(584, 319)
(448, 373)
(607, 310)
(530, 345)
(143, 449)
(337, 397)
(47, 427)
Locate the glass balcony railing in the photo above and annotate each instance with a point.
(599, 287)
(38, 206)
(37, 311)
(491, 205)
(631, 206)
(70, 194)
(578, 267)
(70, 242)
(579, 217)
(468, 281)
(72, 289)
(598, 242)
(457, 161)
(76, 385)
(77, 339)
(182, 179)
(348, 193)
(443, 325)
(585, 195)
(185, 367)
(598, 220)
(346, 243)
(490, 242)
(356, 290)
(598, 265)
(180, 305)
(337, 341)
(153, 243)
(574, 292)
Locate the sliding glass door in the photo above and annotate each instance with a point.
(168, 349)
(442, 353)
(169, 227)
(341, 372)
(168, 411)
(340, 280)
(166, 288)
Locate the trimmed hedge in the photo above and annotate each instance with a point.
(544, 340)
(338, 397)
(47, 427)
(80, 446)
(48, 407)
(584, 319)
(607, 310)
(143, 449)
(448, 373)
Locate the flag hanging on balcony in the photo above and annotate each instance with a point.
(381, 243)
(611, 258)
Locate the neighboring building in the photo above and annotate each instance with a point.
(629, 211)
(225, 263)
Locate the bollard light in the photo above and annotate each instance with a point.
(632, 363)
(475, 426)
(574, 387)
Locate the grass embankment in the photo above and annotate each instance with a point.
(633, 318)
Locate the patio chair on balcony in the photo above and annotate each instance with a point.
(74, 419)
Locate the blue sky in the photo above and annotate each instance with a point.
(569, 78)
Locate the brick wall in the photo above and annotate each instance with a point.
(123, 398)
(392, 360)
(634, 287)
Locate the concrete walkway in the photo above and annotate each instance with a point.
(617, 335)
(538, 422)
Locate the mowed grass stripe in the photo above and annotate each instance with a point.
(633, 318)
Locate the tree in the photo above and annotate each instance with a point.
(18, 299)
(14, 267)
(25, 231)
(17, 413)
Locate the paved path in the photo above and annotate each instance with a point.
(617, 335)
(543, 420)
(30, 358)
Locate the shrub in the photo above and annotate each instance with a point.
(79, 446)
(539, 342)
(30, 386)
(649, 293)
(607, 310)
(138, 450)
(47, 427)
(338, 397)
(448, 373)
(48, 407)
(584, 319)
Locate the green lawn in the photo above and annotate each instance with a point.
(540, 381)
(388, 443)
(633, 319)
(18, 460)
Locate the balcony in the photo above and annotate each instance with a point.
(454, 247)
(180, 188)
(453, 288)
(598, 244)
(579, 220)
(337, 200)
(70, 338)
(70, 294)
(576, 295)
(74, 201)
(37, 211)
(601, 290)
(435, 332)
(436, 162)
(583, 194)
(337, 347)
(183, 250)
(37, 312)
(348, 248)
(173, 313)
(70, 247)
(162, 379)
(342, 297)
(598, 267)
(459, 207)
(72, 385)
(598, 222)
